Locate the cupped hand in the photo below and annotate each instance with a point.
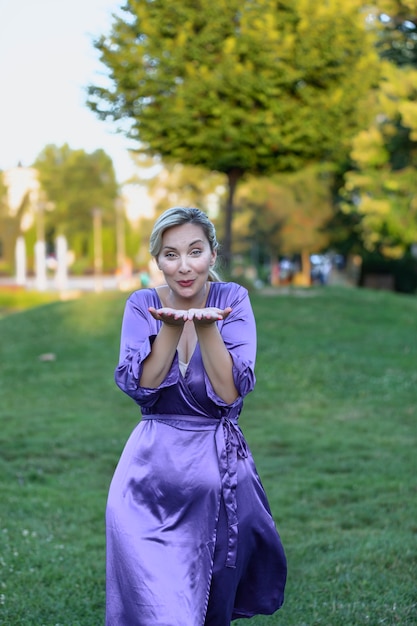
(208, 315)
(178, 317)
(172, 317)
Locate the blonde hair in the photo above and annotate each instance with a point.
(177, 216)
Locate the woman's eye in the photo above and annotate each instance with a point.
(196, 252)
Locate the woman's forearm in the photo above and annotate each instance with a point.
(157, 365)
(217, 362)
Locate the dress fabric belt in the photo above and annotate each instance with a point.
(230, 444)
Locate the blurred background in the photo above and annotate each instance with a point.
(294, 127)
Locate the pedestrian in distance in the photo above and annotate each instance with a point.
(190, 536)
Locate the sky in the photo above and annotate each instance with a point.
(47, 59)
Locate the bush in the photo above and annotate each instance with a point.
(397, 274)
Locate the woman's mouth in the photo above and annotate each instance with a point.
(185, 283)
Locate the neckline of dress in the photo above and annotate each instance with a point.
(184, 366)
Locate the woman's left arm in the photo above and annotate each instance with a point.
(216, 358)
(228, 348)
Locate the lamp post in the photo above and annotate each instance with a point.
(98, 248)
(20, 255)
(40, 245)
(120, 235)
(61, 274)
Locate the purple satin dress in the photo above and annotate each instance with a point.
(190, 536)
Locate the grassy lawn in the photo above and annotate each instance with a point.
(14, 299)
(332, 425)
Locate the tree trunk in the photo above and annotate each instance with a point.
(233, 178)
(306, 266)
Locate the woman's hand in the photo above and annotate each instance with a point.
(208, 315)
(171, 317)
(200, 317)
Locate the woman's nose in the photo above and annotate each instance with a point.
(184, 266)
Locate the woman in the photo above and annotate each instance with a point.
(190, 537)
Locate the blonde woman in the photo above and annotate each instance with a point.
(190, 537)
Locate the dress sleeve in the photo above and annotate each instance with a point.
(139, 330)
(239, 335)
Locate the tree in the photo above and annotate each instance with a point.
(237, 86)
(398, 38)
(286, 214)
(75, 183)
(380, 188)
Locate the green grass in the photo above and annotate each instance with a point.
(332, 425)
(14, 299)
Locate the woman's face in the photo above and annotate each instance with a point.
(185, 259)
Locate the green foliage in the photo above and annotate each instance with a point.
(402, 271)
(82, 245)
(76, 182)
(379, 193)
(286, 213)
(237, 87)
(382, 189)
(232, 85)
(331, 425)
(398, 38)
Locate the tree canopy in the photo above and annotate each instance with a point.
(380, 188)
(398, 39)
(237, 86)
(286, 214)
(75, 182)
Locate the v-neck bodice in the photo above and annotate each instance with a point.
(186, 350)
